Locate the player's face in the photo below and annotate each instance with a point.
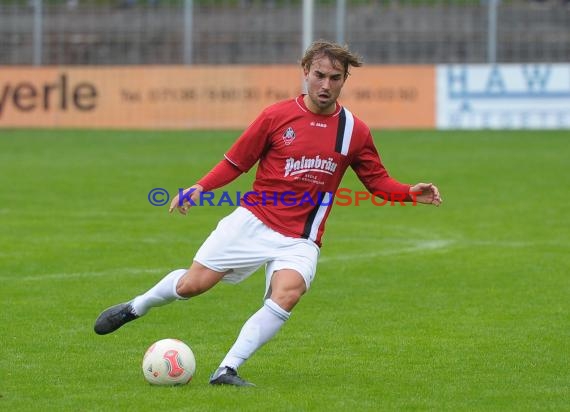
(324, 83)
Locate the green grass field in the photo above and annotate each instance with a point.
(465, 307)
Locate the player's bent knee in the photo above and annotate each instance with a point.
(196, 282)
(187, 289)
(286, 299)
(287, 287)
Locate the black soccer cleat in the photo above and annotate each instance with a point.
(228, 376)
(114, 317)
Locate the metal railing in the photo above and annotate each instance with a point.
(125, 32)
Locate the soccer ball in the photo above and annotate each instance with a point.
(169, 362)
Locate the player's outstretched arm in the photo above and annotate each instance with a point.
(182, 205)
(426, 193)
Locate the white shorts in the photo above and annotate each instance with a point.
(241, 244)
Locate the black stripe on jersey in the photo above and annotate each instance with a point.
(311, 219)
(340, 131)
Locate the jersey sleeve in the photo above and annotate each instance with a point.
(372, 173)
(251, 145)
(220, 175)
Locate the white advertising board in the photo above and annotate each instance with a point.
(504, 96)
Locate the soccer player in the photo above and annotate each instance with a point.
(303, 147)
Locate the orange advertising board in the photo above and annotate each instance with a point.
(199, 97)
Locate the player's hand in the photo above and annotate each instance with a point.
(426, 193)
(182, 203)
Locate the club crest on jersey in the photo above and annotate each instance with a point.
(289, 136)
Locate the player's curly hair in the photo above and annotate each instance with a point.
(334, 51)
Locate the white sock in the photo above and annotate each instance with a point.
(258, 329)
(160, 294)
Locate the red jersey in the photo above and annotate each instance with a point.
(302, 159)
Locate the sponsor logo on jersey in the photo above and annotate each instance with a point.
(318, 124)
(309, 164)
(289, 136)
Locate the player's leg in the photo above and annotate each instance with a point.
(288, 276)
(178, 284)
(224, 252)
(287, 286)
